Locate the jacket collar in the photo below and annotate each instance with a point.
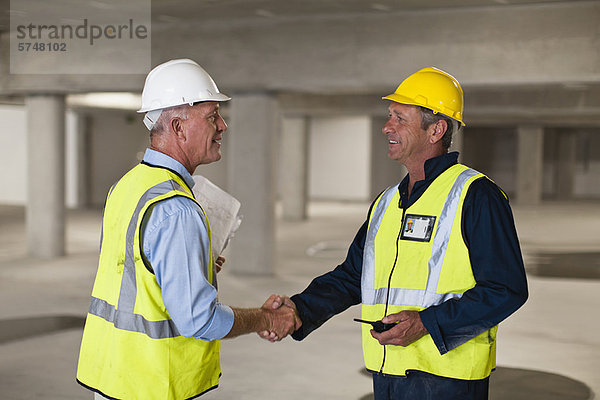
(433, 168)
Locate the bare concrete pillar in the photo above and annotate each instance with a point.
(293, 168)
(77, 160)
(384, 172)
(254, 122)
(530, 164)
(565, 165)
(46, 175)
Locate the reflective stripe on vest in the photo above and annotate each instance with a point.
(412, 297)
(123, 316)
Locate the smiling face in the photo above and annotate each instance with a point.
(407, 140)
(204, 129)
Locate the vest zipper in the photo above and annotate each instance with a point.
(387, 298)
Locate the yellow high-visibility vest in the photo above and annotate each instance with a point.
(131, 348)
(414, 259)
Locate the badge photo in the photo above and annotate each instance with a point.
(418, 227)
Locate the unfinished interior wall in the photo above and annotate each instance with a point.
(492, 150)
(118, 140)
(340, 158)
(13, 155)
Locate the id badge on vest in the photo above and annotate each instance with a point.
(418, 227)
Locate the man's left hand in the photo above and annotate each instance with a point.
(276, 302)
(219, 263)
(408, 329)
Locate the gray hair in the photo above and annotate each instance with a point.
(428, 117)
(161, 125)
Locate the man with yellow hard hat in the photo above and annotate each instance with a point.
(434, 292)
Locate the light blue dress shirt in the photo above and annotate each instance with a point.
(175, 242)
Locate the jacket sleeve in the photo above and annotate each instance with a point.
(490, 235)
(333, 292)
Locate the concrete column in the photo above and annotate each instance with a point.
(565, 165)
(254, 120)
(293, 168)
(46, 175)
(384, 172)
(530, 147)
(77, 160)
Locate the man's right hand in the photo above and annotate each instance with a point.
(285, 319)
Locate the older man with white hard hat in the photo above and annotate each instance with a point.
(154, 323)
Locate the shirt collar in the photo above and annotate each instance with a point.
(433, 168)
(162, 160)
(436, 165)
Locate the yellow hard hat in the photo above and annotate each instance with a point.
(434, 89)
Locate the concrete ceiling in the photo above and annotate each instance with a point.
(166, 12)
(561, 100)
(232, 11)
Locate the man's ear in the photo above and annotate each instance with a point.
(177, 128)
(439, 130)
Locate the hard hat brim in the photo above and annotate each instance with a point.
(215, 97)
(397, 98)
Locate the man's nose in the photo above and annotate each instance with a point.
(386, 128)
(222, 125)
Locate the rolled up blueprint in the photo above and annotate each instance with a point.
(222, 210)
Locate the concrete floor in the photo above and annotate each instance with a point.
(548, 350)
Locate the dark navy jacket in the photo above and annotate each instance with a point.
(490, 235)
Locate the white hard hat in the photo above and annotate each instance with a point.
(174, 83)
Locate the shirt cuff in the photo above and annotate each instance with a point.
(429, 320)
(220, 325)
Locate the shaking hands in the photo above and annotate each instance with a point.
(282, 318)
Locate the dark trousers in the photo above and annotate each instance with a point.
(422, 386)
